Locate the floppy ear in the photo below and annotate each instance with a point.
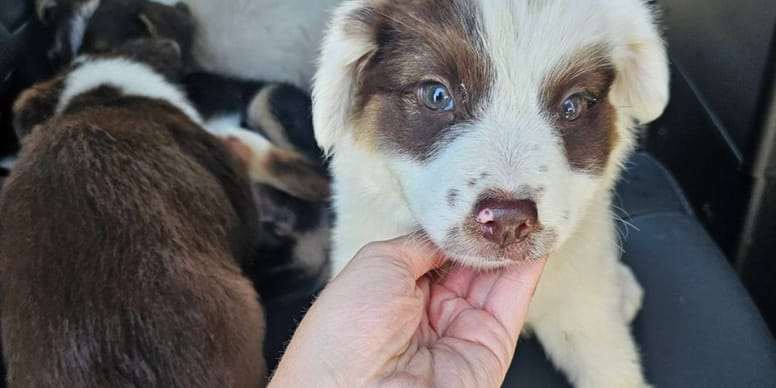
(347, 45)
(149, 25)
(36, 105)
(641, 88)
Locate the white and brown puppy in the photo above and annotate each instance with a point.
(499, 128)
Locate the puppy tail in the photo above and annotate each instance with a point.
(285, 170)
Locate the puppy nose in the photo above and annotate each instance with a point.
(506, 221)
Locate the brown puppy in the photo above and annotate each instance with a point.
(88, 26)
(120, 231)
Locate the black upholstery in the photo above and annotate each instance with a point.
(698, 326)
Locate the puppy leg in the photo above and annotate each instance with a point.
(577, 315)
(632, 293)
(285, 170)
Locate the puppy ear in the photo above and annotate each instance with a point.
(641, 89)
(149, 25)
(347, 45)
(36, 105)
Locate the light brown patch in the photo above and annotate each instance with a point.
(589, 140)
(417, 41)
(36, 105)
(284, 170)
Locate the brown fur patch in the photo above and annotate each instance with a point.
(119, 21)
(36, 105)
(283, 169)
(418, 41)
(120, 234)
(590, 139)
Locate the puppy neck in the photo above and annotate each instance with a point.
(129, 77)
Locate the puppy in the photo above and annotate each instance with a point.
(281, 45)
(498, 128)
(121, 229)
(89, 26)
(295, 216)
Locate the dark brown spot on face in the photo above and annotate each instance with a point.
(588, 140)
(418, 41)
(452, 197)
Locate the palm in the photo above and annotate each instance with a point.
(461, 336)
(382, 321)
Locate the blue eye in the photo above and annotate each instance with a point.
(573, 107)
(435, 96)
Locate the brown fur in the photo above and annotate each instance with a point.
(113, 23)
(286, 170)
(35, 105)
(119, 21)
(590, 139)
(418, 42)
(120, 227)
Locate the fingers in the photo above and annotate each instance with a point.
(511, 295)
(414, 253)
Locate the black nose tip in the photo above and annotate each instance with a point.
(506, 221)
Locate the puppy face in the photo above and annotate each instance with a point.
(501, 121)
(119, 21)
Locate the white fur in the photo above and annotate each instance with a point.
(586, 298)
(132, 78)
(169, 3)
(271, 40)
(80, 20)
(260, 116)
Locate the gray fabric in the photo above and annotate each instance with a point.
(646, 187)
(698, 326)
(14, 12)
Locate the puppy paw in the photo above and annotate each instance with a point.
(283, 169)
(632, 293)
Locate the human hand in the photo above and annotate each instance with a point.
(383, 322)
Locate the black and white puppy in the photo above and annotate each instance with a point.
(499, 128)
(294, 244)
(122, 227)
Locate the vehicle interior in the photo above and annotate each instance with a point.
(697, 203)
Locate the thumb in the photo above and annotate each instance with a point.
(414, 252)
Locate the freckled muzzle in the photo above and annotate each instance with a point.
(500, 229)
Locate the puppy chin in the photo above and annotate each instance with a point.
(475, 253)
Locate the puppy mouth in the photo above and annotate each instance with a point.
(477, 252)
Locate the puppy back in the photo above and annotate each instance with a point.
(117, 254)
